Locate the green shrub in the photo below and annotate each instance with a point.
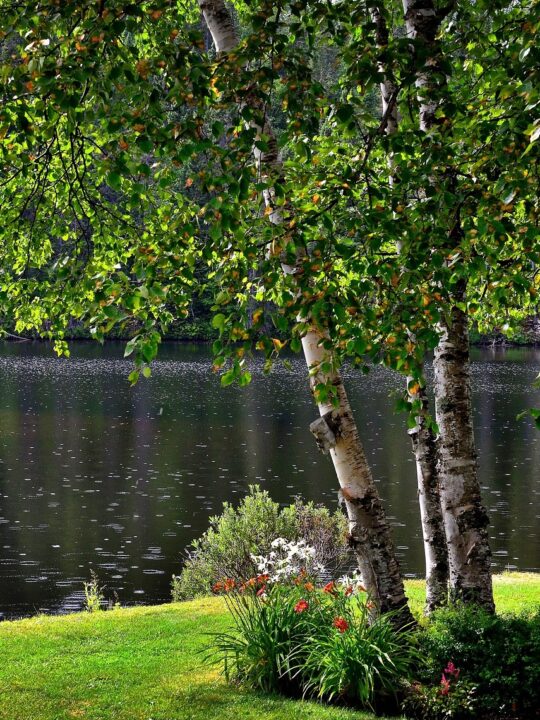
(295, 638)
(498, 655)
(427, 702)
(226, 548)
(94, 598)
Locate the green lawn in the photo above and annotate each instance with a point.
(144, 664)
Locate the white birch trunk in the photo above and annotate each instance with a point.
(335, 431)
(369, 531)
(422, 436)
(465, 518)
(429, 499)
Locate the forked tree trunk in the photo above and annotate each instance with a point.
(422, 436)
(465, 518)
(335, 430)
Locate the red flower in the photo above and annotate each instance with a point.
(341, 624)
(330, 587)
(451, 669)
(445, 685)
(300, 606)
(218, 587)
(262, 579)
(229, 584)
(261, 590)
(349, 590)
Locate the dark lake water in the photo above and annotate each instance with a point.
(97, 475)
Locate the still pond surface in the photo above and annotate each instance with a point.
(97, 475)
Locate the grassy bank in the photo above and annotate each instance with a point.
(145, 664)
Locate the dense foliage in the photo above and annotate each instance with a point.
(290, 636)
(227, 548)
(128, 173)
(495, 665)
(320, 642)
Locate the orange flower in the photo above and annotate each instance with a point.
(348, 591)
(261, 590)
(229, 584)
(310, 587)
(300, 606)
(341, 624)
(217, 587)
(330, 587)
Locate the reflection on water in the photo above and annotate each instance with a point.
(97, 475)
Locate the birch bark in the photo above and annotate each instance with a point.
(465, 518)
(335, 430)
(422, 436)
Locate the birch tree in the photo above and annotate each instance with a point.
(422, 433)
(336, 431)
(131, 158)
(465, 518)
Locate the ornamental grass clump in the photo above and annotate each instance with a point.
(295, 637)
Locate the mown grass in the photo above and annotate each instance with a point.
(145, 663)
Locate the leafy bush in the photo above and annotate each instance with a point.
(226, 548)
(455, 701)
(295, 638)
(497, 655)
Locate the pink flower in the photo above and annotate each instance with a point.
(300, 606)
(452, 670)
(445, 685)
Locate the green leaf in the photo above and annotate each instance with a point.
(218, 322)
(228, 378)
(114, 180)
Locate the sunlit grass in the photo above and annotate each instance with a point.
(145, 663)
(514, 592)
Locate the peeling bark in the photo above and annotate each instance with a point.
(422, 22)
(465, 518)
(422, 436)
(429, 499)
(369, 531)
